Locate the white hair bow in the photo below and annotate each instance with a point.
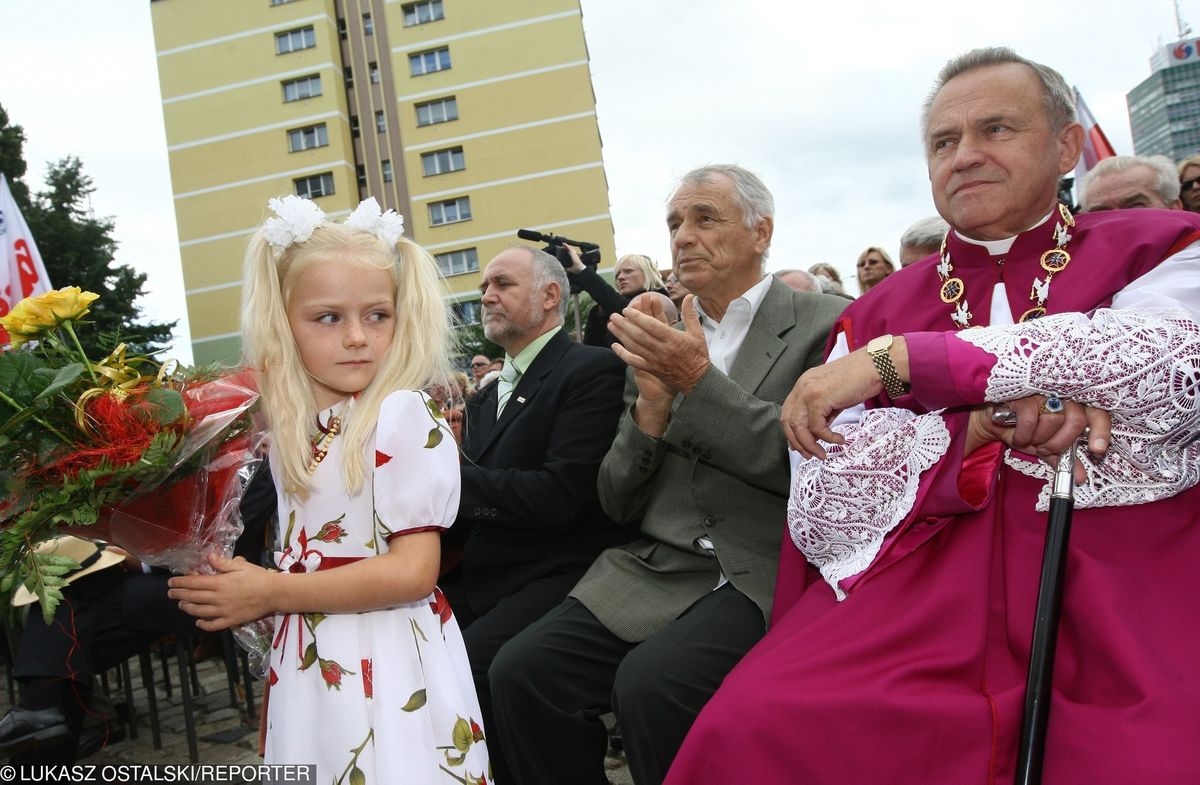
(387, 226)
(296, 219)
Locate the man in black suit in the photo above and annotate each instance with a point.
(529, 522)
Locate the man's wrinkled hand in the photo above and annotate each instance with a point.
(820, 395)
(650, 345)
(1045, 434)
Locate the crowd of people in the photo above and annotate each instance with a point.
(773, 526)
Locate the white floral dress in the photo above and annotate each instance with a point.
(381, 696)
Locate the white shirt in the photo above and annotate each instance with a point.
(725, 337)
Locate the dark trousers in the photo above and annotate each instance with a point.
(551, 684)
(486, 633)
(103, 619)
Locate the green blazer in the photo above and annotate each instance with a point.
(719, 471)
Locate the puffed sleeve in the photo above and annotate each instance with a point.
(416, 481)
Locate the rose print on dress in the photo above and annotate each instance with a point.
(441, 606)
(332, 531)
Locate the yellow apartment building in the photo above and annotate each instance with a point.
(472, 118)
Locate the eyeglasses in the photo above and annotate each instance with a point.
(480, 365)
(1187, 185)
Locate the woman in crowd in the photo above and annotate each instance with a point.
(635, 274)
(874, 265)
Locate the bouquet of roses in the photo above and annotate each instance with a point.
(145, 455)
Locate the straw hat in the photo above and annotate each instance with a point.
(90, 556)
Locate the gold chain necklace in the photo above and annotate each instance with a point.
(1054, 261)
(323, 442)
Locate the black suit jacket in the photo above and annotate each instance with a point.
(529, 506)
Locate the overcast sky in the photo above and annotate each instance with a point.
(820, 99)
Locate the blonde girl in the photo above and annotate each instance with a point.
(346, 324)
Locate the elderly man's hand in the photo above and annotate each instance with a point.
(648, 344)
(645, 332)
(1043, 433)
(821, 394)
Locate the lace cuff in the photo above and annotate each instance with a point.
(1143, 367)
(842, 508)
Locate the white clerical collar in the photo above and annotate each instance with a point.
(1000, 247)
(753, 298)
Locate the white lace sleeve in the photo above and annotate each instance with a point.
(1143, 367)
(841, 508)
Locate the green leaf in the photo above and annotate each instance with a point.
(417, 629)
(165, 405)
(357, 777)
(461, 735)
(433, 408)
(454, 760)
(314, 619)
(416, 701)
(17, 419)
(65, 377)
(17, 375)
(287, 538)
(310, 656)
(435, 438)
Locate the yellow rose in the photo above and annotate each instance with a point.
(34, 315)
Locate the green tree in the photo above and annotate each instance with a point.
(78, 248)
(472, 341)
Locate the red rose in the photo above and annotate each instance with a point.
(476, 732)
(332, 673)
(331, 532)
(272, 677)
(367, 677)
(441, 606)
(381, 458)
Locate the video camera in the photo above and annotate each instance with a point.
(589, 253)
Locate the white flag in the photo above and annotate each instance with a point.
(21, 270)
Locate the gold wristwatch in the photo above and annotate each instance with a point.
(878, 349)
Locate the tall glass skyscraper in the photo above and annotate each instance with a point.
(1164, 110)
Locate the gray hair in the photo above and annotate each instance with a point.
(548, 270)
(1056, 93)
(925, 233)
(1166, 180)
(752, 196)
(813, 283)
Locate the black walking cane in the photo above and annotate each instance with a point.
(1032, 748)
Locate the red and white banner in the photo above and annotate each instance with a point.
(1096, 146)
(21, 270)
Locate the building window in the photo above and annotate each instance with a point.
(341, 25)
(308, 137)
(354, 132)
(314, 186)
(467, 312)
(420, 13)
(388, 175)
(374, 67)
(442, 161)
(380, 121)
(458, 262)
(368, 25)
(295, 40)
(304, 87)
(361, 171)
(450, 211)
(440, 111)
(348, 74)
(430, 61)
